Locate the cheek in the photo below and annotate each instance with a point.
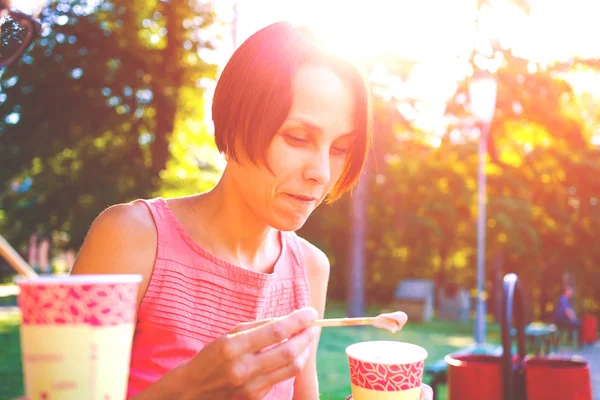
(277, 160)
(255, 183)
(337, 167)
(285, 162)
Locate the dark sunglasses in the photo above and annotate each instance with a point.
(17, 31)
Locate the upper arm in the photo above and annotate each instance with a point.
(121, 240)
(317, 268)
(317, 265)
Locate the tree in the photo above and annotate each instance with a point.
(536, 134)
(542, 197)
(91, 109)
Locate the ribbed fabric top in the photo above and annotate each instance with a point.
(193, 297)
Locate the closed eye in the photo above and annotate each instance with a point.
(342, 146)
(295, 140)
(340, 151)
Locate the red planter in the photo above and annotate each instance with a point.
(477, 377)
(589, 328)
(474, 377)
(548, 379)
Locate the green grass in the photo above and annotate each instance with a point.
(11, 380)
(438, 337)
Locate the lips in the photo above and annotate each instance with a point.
(302, 198)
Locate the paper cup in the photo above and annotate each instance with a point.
(386, 370)
(76, 335)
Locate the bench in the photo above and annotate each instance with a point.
(572, 333)
(541, 337)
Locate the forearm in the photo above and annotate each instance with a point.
(306, 386)
(310, 392)
(307, 393)
(170, 386)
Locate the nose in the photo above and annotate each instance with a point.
(318, 169)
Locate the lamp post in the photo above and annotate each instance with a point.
(356, 295)
(482, 96)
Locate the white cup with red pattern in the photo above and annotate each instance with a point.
(386, 370)
(76, 335)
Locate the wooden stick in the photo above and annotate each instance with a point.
(15, 260)
(344, 322)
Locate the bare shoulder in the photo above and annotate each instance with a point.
(131, 216)
(121, 240)
(122, 223)
(316, 261)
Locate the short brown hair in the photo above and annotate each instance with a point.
(253, 96)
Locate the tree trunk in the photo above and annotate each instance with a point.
(441, 276)
(498, 286)
(356, 301)
(165, 90)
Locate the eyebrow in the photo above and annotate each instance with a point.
(311, 126)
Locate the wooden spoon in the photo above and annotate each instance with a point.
(392, 321)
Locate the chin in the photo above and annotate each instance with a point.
(288, 223)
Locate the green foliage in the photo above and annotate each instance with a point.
(89, 112)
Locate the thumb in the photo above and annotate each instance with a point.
(426, 392)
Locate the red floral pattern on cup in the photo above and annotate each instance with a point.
(92, 304)
(388, 378)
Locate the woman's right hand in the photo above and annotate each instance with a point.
(249, 361)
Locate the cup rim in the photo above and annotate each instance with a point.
(88, 279)
(420, 354)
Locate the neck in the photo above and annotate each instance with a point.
(235, 232)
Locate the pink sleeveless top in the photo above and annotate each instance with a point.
(194, 297)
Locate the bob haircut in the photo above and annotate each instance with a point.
(253, 97)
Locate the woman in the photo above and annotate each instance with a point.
(294, 124)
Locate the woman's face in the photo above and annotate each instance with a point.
(306, 155)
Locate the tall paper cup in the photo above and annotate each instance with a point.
(76, 335)
(386, 370)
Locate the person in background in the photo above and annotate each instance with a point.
(564, 314)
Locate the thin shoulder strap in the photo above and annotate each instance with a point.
(293, 242)
(160, 214)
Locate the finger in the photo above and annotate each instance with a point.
(286, 352)
(266, 379)
(287, 355)
(426, 392)
(272, 332)
(245, 326)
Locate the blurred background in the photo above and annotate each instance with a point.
(496, 97)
